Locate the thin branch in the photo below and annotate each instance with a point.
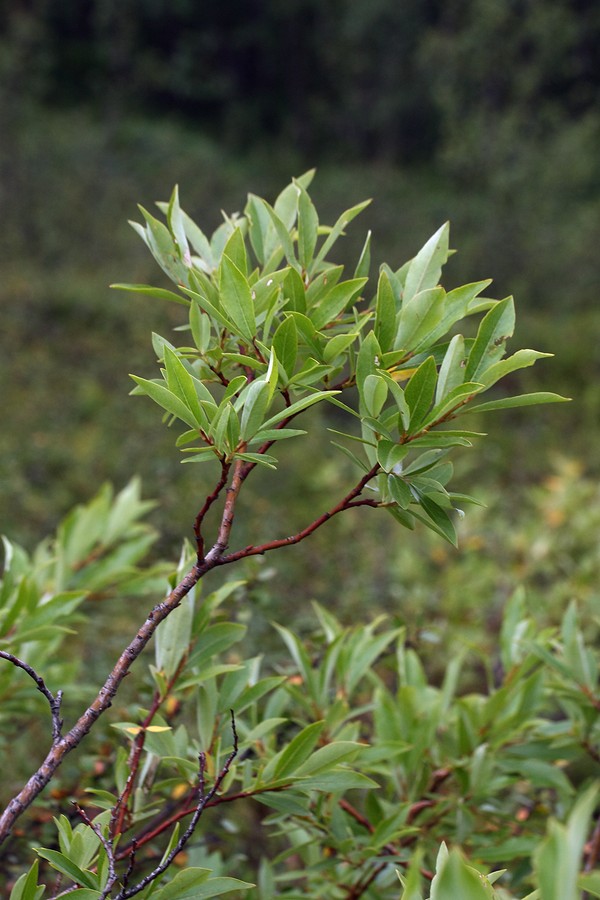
(53, 702)
(119, 812)
(160, 825)
(108, 848)
(346, 503)
(225, 467)
(99, 705)
(203, 799)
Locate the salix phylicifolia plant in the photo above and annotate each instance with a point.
(275, 327)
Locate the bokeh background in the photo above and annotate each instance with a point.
(482, 112)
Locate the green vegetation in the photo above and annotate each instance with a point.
(366, 765)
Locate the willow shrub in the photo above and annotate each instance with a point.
(358, 776)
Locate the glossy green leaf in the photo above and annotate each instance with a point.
(256, 404)
(418, 318)
(425, 269)
(521, 400)
(490, 344)
(385, 313)
(196, 884)
(159, 293)
(364, 261)
(293, 755)
(338, 345)
(452, 370)
(419, 392)
(519, 360)
(455, 879)
(285, 344)
(298, 406)
(308, 226)
(336, 301)
(62, 863)
(236, 299)
(166, 399)
(374, 393)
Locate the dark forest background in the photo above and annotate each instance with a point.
(483, 112)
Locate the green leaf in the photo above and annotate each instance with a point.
(490, 344)
(256, 404)
(454, 398)
(289, 760)
(308, 227)
(285, 344)
(159, 293)
(400, 491)
(418, 318)
(338, 345)
(437, 518)
(558, 859)
(166, 399)
(425, 269)
(236, 299)
(335, 301)
(338, 229)
(284, 237)
(26, 887)
(364, 261)
(63, 864)
(297, 407)
(519, 360)
(452, 370)
(420, 391)
(196, 884)
(520, 400)
(327, 757)
(390, 454)
(235, 251)
(177, 227)
(374, 393)
(181, 383)
(455, 879)
(385, 313)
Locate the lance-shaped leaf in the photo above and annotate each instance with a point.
(164, 249)
(418, 318)
(177, 227)
(260, 228)
(385, 312)
(337, 300)
(521, 400)
(425, 269)
(338, 345)
(196, 884)
(285, 345)
(289, 760)
(256, 404)
(519, 360)
(364, 261)
(400, 397)
(284, 237)
(160, 393)
(490, 344)
(236, 299)
(181, 383)
(159, 293)
(373, 393)
(235, 250)
(437, 519)
(214, 311)
(286, 205)
(390, 454)
(338, 229)
(294, 291)
(201, 327)
(458, 303)
(452, 370)
(308, 227)
(298, 406)
(368, 359)
(455, 398)
(420, 391)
